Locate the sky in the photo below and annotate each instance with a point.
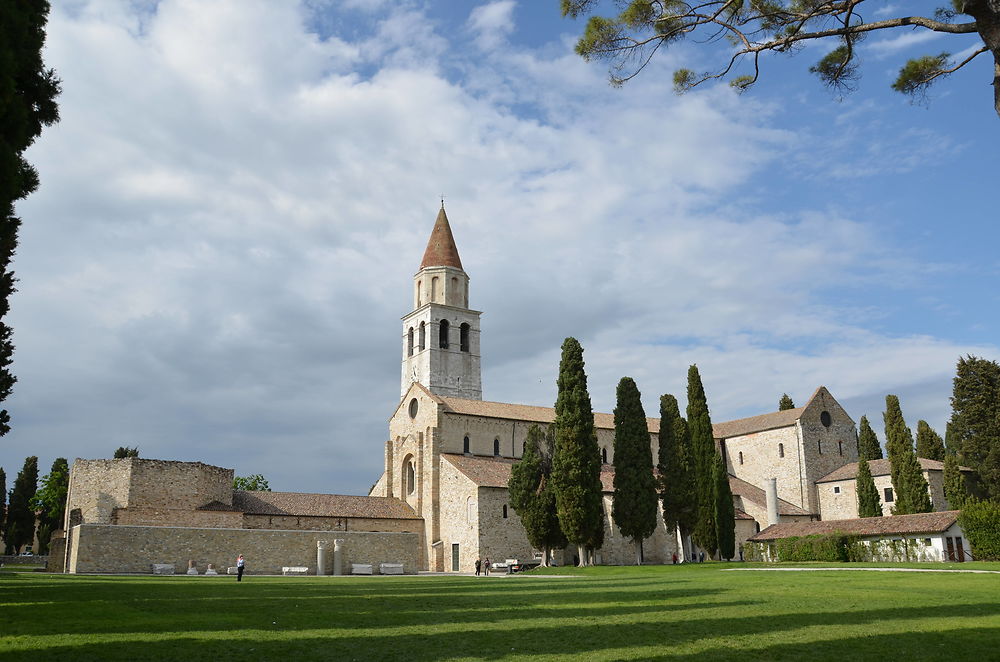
(239, 193)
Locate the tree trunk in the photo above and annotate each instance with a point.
(987, 15)
(581, 551)
(638, 551)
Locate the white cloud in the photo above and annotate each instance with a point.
(492, 22)
(884, 48)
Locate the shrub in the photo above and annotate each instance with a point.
(834, 547)
(981, 523)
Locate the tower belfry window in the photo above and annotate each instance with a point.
(464, 338)
(496, 447)
(443, 335)
(409, 342)
(422, 344)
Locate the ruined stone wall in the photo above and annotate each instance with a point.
(176, 517)
(304, 523)
(178, 485)
(96, 488)
(131, 549)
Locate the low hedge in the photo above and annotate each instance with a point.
(980, 521)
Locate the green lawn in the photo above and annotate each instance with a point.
(675, 612)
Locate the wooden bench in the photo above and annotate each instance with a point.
(162, 568)
(294, 570)
(361, 568)
(390, 568)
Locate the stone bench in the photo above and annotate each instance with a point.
(390, 568)
(294, 570)
(233, 570)
(361, 568)
(162, 568)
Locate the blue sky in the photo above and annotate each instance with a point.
(239, 193)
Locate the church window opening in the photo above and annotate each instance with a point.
(741, 457)
(840, 447)
(435, 285)
(470, 511)
(496, 447)
(819, 446)
(422, 337)
(420, 293)
(409, 477)
(604, 455)
(414, 407)
(454, 557)
(825, 419)
(454, 289)
(443, 335)
(465, 444)
(887, 495)
(836, 489)
(505, 511)
(464, 338)
(781, 450)
(409, 342)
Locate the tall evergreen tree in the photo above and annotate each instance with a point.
(725, 510)
(868, 445)
(3, 500)
(678, 490)
(785, 403)
(975, 420)
(20, 525)
(634, 505)
(576, 467)
(50, 502)
(869, 505)
(531, 493)
(929, 443)
(956, 492)
(703, 449)
(908, 481)
(27, 103)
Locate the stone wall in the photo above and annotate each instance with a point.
(178, 485)
(845, 504)
(825, 448)
(459, 510)
(96, 488)
(139, 516)
(500, 537)
(304, 523)
(769, 454)
(131, 549)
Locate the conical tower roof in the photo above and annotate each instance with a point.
(441, 249)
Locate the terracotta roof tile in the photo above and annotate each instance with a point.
(868, 526)
(879, 468)
(441, 250)
(754, 494)
(495, 471)
(742, 515)
(741, 426)
(320, 505)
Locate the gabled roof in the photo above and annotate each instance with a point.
(545, 415)
(754, 494)
(879, 468)
(897, 525)
(770, 421)
(320, 505)
(441, 250)
(419, 387)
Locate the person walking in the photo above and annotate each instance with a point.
(486, 567)
(479, 565)
(240, 565)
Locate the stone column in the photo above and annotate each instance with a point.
(338, 548)
(321, 557)
(771, 497)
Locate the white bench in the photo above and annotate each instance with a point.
(232, 570)
(361, 568)
(390, 568)
(162, 568)
(294, 570)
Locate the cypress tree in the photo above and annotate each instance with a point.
(703, 449)
(3, 499)
(20, 526)
(27, 104)
(868, 446)
(955, 490)
(634, 505)
(908, 481)
(975, 420)
(869, 505)
(785, 403)
(929, 443)
(531, 494)
(725, 511)
(576, 467)
(50, 502)
(679, 494)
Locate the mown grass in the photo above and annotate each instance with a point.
(666, 612)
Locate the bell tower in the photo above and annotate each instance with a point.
(441, 334)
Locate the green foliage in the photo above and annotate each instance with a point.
(576, 466)
(837, 68)
(599, 37)
(975, 420)
(679, 494)
(955, 490)
(868, 445)
(20, 525)
(908, 481)
(918, 74)
(123, 452)
(869, 505)
(981, 523)
(634, 505)
(531, 493)
(50, 502)
(27, 104)
(684, 80)
(3, 498)
(929, 443)
(785, 402)
(251, 483)
(725, 510)
(703, 450)
(832, 547)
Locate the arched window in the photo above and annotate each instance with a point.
(465, 444)
(464, 338)
(420, 294)
(741, 457)
(443, 335)
(470, 511)
(434, 288)
(496, 447)
(422, 337)
(454, 294)
(604, 455)
(781, 450)
(409, 477)
(409, 342)
(505, 511)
